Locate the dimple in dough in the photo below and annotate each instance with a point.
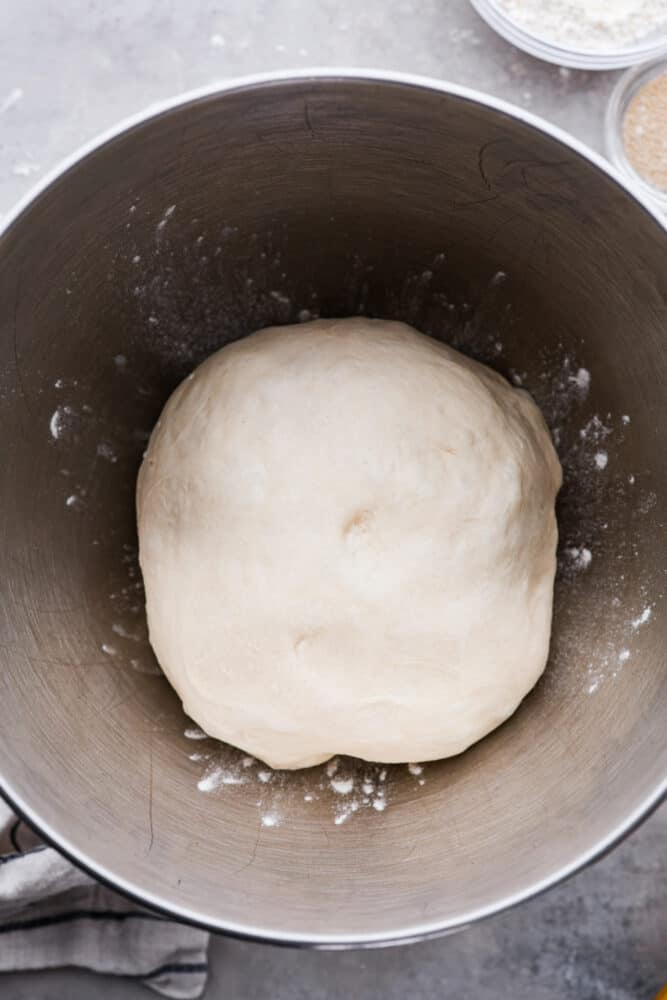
(348, 542)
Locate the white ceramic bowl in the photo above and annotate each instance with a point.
(626, 88)
(577, 58)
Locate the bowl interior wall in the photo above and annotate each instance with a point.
(325, 197)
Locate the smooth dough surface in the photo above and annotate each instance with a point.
(348, 542)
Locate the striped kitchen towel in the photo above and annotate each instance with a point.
(53, 914)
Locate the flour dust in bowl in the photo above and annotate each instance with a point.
(269, 202)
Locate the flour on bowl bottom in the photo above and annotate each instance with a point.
(348, 786)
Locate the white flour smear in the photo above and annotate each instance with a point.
(12, 98)
(25, 168)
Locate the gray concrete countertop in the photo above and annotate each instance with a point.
(70, 68)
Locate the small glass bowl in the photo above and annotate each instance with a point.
(550, 51)
(626, 88)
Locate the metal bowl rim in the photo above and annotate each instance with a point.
(428, 929)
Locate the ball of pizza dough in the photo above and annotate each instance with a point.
(348, 543)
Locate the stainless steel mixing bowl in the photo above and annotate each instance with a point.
(263, 202)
